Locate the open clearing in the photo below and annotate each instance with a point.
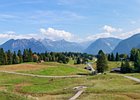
(99, 87)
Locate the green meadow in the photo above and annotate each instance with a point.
(107, 86)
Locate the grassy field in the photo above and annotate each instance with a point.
(11, 96)
(100, 87)
(137, 75)
(59, 69)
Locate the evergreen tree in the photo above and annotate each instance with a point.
(109, 57)
(5, 59)
(78, 60)
(117, 58)
(137, 62)
(20, 56)
(9, 57)
(133, 54)
(102, 62)
(112, 57)
(2, 55)
(30, 56)
(25, 55)
(15, 58)
(125, 67)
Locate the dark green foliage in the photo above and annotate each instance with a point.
(109, 57)
(28, 56)
(79, 60)
(25, 55)
(102, 64)
(15, 58)
(2, 57)
(117, 58)
(133, 54)
(125, 67)
(112, 57)
(20, 56)
(137, 61)
(63, 59)
(9, 57)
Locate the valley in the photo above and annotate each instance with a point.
(109, 86)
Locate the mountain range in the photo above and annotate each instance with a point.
(126, 45)
(108, 45)
(105, 44)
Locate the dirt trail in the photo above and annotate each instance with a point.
(80, 90)
(132, 78)
(42, 76)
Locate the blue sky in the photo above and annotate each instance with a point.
(73, 20)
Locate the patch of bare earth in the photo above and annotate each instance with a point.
(133, 95)
(2, 88)
(19, 86)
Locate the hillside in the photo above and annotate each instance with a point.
(105, 44)
(126, 45)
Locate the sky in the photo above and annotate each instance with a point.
(72, 20)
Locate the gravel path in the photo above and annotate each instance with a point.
(80, 90)
(132, 78)
(42, 76)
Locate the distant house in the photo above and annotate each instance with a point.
(116, 70)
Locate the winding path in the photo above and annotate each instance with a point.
(42, 76)
(133, 78)
(80, 90)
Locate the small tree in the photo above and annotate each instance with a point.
(102, 62)
(112, 57)
(117, 58)
(125, 67)
(15, 58)
(20, 56)
(137, 62)
(9, 57)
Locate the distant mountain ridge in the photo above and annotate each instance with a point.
(105, 44)
(126, 45)
(62, 46)
(21, 44)
(42, 45)
(108, 45)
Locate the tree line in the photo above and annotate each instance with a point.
(130, 63)
(27, 55)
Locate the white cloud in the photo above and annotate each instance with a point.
(128, 34)
(97, 36)
(110, 29)
(54, 34)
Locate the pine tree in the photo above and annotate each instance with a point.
(117, 58)
(15, 58)
(2, 55)
(9, 57)
(30, 55)
(125, 67)
(5, 59)
(78, 61)
(102, 62)
(112, 57)
(137, 62)
(133, 54)
(109, 57)
(20, 56)
(25, 55)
